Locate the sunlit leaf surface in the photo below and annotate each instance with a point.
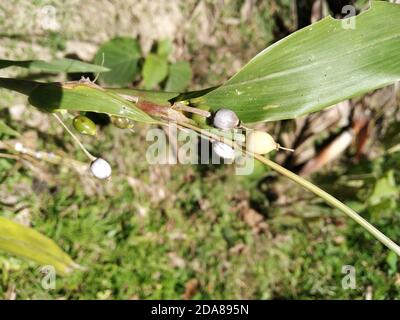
(316, 67)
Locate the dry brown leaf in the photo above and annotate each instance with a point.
(191, 288)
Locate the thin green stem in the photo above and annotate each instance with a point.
(309, 186)
(8, 156)
(332, 201)
(87, 153)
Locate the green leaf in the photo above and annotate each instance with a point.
(81, 96)
(392, 135)
(391, 260)
(4, 128)
(164, 48)
(21, 86)
(158, 97)
(385, 188)
(55, 66)
(179, 76)
(25, 242)
(154, 71)
(85, 97)
(121, 56)
(316, 67)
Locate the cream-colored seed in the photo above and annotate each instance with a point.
(260, 142)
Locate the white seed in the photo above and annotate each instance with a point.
(19, 147)
(100, 168)
(260, 142)
(225, 119)
(223, 150)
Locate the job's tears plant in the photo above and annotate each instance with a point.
(305, 72)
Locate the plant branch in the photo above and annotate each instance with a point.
(332, 201)
(307, 185)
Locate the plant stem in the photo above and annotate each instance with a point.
(332, 201)
(86, 152)
(182, 107)
(309, 186)
(8, 156)
(27, 153)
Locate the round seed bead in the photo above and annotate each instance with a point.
(226, 119)
(122, 122)
(260, 142)
(223, 150)
(84, 125)
(100, 168)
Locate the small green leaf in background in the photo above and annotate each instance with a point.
(154, 71)
(179, 76)
(391, 260)
(164, 48)
(392, 135)
(25, 242)
(121, 56)
(55, 66)
(4, 128)
(385, 188)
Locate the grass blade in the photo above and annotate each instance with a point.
(55, 66)
(28, 243)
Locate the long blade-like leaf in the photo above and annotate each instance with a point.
(160, 97)
(30, 244)
(316, 67)
(21, 86)
(79, 96)
(85, 97)
(55, 66)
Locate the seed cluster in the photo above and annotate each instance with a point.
(99, 167)
(258, 142)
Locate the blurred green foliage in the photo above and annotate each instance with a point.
(122, 55)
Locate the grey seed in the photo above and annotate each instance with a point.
(225, 119)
